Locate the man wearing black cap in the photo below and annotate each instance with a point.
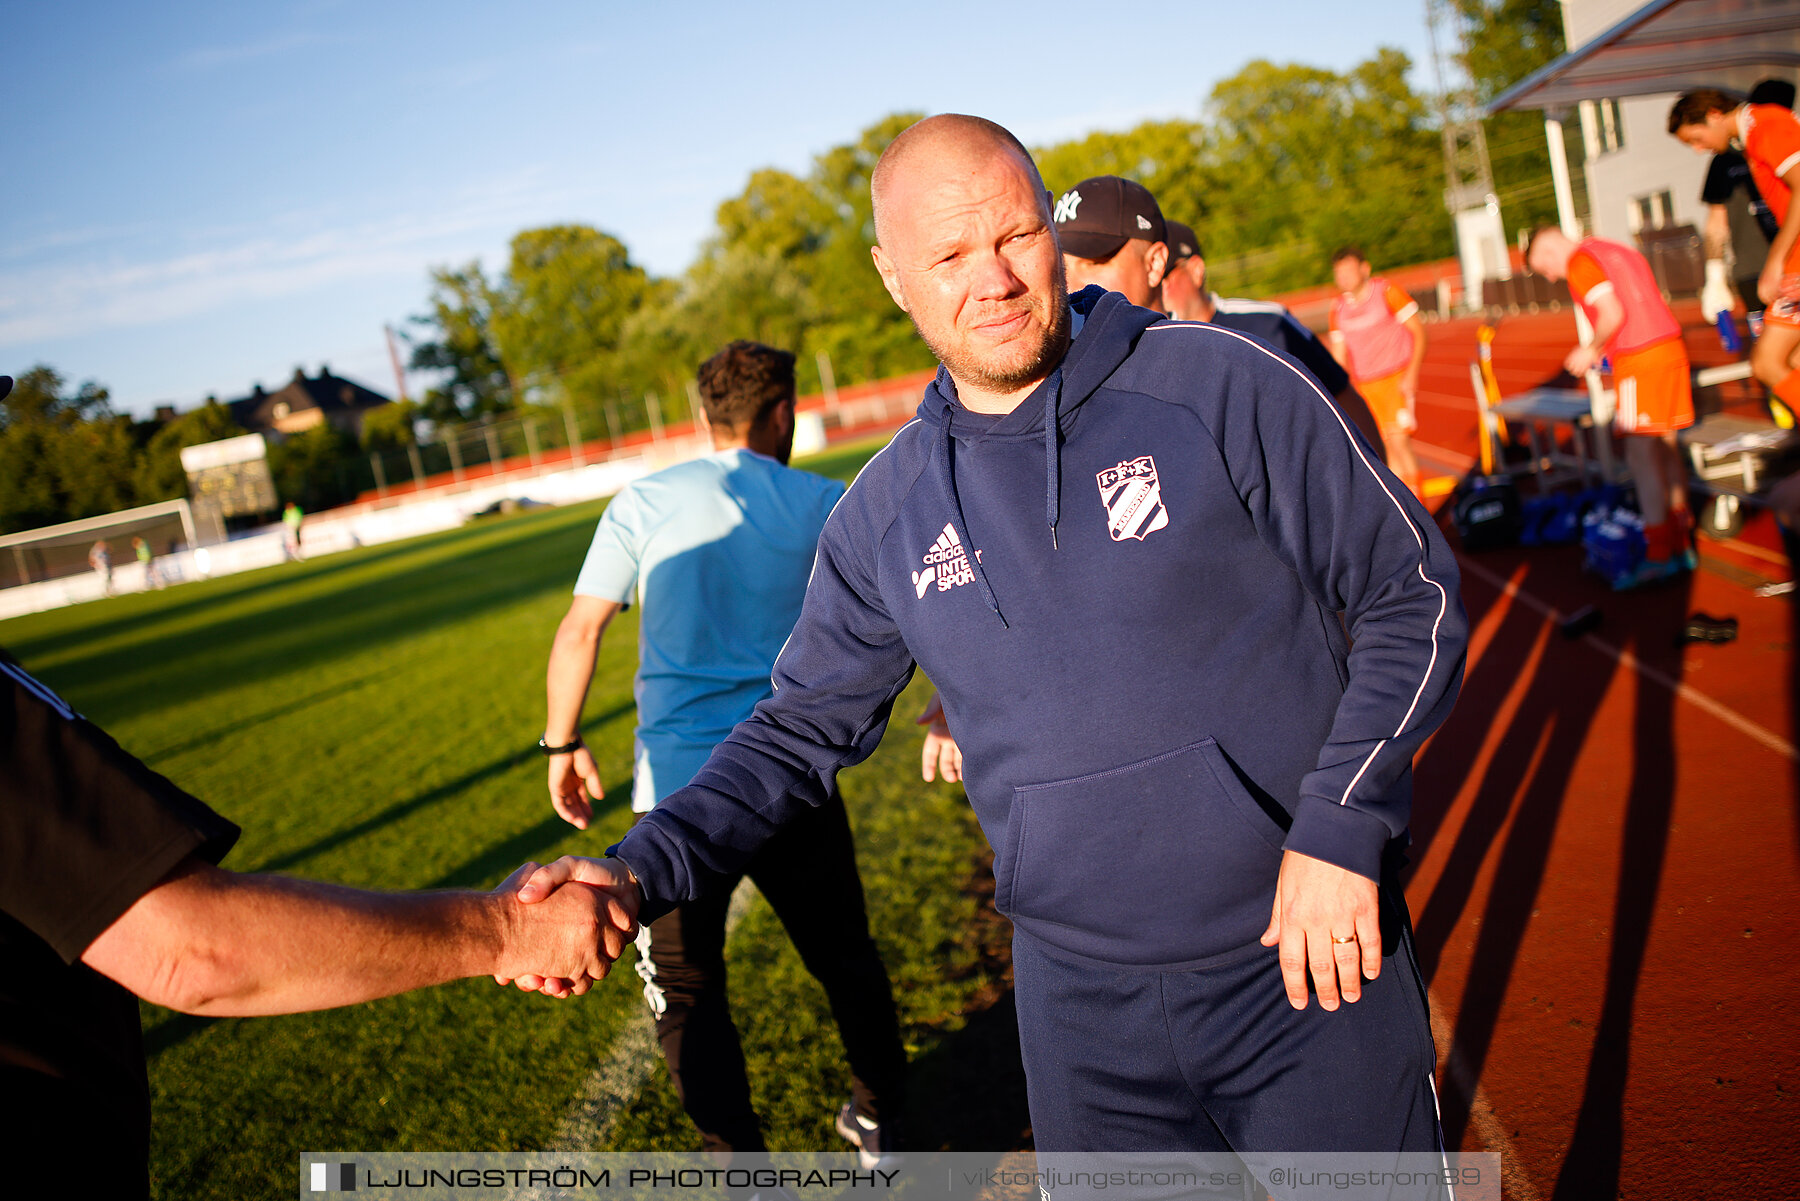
(1187, 298)
(1113, 234)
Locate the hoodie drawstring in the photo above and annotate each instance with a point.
(1052, 454)
(956, 515)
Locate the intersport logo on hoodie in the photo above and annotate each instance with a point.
(946, 565)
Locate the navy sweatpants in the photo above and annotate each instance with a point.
(1215, 1059)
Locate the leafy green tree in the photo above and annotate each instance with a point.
(461, 345)
(159, 474)
(63, 455)
(1506, 41)
(390, 427)
(559, 311)
(1322, 159)
(313, 467)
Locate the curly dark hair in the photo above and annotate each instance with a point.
(1348, 252)
(742, 384)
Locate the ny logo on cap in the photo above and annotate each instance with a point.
(1065, 208)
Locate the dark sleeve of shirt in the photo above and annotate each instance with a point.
(85, 828)
(1721, 177)
(1301, 342)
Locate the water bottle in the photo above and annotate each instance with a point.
(1728, 334)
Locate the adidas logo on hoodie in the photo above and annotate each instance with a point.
(946, 564)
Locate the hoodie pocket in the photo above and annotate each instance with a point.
(1158, 862)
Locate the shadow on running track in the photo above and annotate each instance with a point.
(1517, 812)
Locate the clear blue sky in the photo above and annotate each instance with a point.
(201, 196)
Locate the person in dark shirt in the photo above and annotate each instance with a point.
(1187, 298)
(109, 886)
(1737, 216)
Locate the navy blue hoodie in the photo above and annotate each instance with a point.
(1142, 659)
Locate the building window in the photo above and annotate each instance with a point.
(1652, 211)
(1609, 126)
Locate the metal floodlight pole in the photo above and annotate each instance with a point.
(380, 476)
(456, 466)
(418, 466)
(399, 372)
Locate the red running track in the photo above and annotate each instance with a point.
(1604, 881)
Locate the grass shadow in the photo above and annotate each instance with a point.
(207, 737)
(423, 800)
(308, 631)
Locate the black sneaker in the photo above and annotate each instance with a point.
(875, 1142)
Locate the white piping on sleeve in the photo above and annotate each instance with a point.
(1443, 593)
(1407, 313)
(1603, 288)
(1788, 163)
(40, 691)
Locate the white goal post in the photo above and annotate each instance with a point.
(56, 551)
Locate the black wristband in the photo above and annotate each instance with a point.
(559, 750)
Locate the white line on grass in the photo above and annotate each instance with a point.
(622, 1075)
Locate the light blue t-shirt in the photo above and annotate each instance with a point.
(717, 551)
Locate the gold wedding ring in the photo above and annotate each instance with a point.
(1340, 941)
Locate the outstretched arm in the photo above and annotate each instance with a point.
(214, 942)
(574, 776)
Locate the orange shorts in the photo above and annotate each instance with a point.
(1655, 393)
(1388, 404)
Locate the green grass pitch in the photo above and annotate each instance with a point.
(370, 719)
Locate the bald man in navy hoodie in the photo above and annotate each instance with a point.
(1190, 633)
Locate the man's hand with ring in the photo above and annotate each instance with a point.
(1327, 921)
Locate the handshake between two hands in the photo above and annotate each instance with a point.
(566, 923)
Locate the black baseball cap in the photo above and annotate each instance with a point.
(1098, 216)
(1182, 242)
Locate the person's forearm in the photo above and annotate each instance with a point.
(1718, 231)
(1417, 327)
(566, 680)
(212, 942)
(1605, 328)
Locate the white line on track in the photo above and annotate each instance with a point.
(1631, 662)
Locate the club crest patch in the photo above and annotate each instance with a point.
(1133, 499)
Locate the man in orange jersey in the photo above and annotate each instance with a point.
(1709, 120)
(1379, 337)
(1633, 325)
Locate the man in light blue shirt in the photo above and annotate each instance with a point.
(717, 551)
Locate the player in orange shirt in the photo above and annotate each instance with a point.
(1709, 120)
(1379, 337)
(1633, 325)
